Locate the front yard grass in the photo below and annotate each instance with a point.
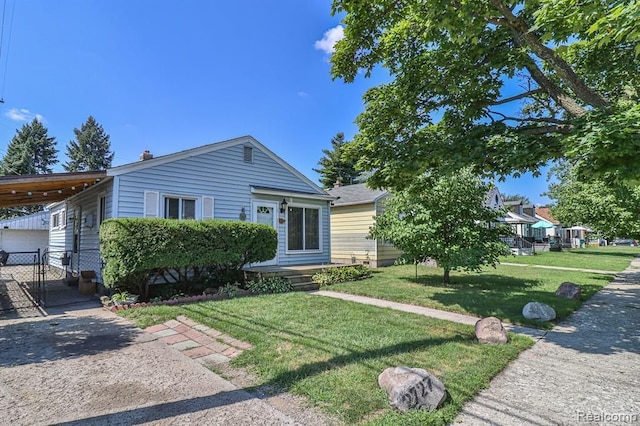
(332, 351)
(500, 292)
(603, 258)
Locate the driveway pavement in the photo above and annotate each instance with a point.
(93, 367)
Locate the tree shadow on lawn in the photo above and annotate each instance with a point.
(504, 297)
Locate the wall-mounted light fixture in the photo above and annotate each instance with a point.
(283, 206)
(243, 214)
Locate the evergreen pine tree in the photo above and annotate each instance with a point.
(91, 150)
(31, 152)
(334, 166)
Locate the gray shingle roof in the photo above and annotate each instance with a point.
(355, 194)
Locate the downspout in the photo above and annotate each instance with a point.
(375, 213)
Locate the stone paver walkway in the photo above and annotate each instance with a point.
(427, 312)
(204, 344)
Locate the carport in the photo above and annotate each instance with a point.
(26, 284)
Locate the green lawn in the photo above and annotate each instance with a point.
(603, 258)
(332, 351)
(500, 292)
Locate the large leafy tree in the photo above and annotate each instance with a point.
(612, 209)
(334, 166)
(31, 152)
(445, 218)
(503, 85)
(91, 150)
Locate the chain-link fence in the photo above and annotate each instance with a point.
(67, 264)
(21, 285)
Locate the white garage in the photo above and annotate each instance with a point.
(24, 234)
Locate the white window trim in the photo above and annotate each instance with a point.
(160, 198)
(100, 215)
(55, 217)
(62, 220)
(196, 198)
(320, 229)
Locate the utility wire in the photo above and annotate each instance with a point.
(6, 61)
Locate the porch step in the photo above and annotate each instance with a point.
(306, 286)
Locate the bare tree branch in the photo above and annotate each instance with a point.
(557, 128)
(516, 97)
(549, 56)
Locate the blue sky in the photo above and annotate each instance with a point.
(167, 76)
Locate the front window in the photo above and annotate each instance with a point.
(303, 228)
(179, 208)
(102, 209)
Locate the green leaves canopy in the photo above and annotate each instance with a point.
(445, 218)
(504, 86)
(612, 209)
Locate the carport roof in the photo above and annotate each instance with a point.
(45, 189)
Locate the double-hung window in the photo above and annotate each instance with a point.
(179, 208)
(303, 228)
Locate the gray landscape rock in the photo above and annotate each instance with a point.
(412, 388)
(538, 311)
(569, 290)
(490, 331)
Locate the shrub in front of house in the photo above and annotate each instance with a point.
(270, 285)
(180, 251)
(341, 274)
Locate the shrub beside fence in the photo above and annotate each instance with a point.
(136, 250)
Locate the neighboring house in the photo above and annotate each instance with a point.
(24, 235)
(238, 179)
(552, 227)
(521, 216)
(352, 214)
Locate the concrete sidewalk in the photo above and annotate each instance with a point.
(427, 312)
(584, 371)
(561, 268)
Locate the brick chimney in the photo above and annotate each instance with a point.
(146, 155)
(338, 183)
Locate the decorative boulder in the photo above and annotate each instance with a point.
(538, 311)
(569, 291)
(490, 331)
(412, 388)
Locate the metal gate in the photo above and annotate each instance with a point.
(21, 283)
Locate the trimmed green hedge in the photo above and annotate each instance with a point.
(132, 248)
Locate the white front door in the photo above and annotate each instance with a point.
(266, 212)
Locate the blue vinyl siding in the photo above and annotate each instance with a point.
(225, 176)
(221, 174)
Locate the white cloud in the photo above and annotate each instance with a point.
(303, 94)
(329, 40)
(23, 114)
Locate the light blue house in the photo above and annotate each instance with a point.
(238, 179)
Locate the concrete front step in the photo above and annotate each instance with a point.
(305, 286)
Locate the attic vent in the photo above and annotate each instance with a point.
(248, 154)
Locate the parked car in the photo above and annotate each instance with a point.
(624, 242)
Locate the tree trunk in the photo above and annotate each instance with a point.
(446, 278)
